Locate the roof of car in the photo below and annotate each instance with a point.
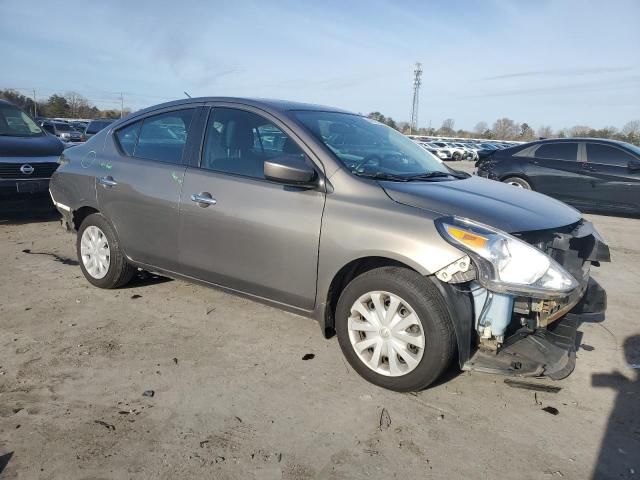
(574, 139)
(269, 104)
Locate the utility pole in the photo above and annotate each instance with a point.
(35, 104)
(121, 105)
(417, 82)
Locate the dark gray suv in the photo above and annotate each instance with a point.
(331, 215)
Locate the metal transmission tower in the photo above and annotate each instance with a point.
(417, 82)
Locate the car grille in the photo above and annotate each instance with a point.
(40, 170)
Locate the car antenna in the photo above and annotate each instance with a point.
(187, 94)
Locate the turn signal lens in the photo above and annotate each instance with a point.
(467, 238)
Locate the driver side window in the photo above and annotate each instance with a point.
(238, 142)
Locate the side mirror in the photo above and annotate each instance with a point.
(633, 166)
(290, 170)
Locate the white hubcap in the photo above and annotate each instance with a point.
(386, 333)
(94, 250)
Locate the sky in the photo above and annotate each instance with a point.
(544, 62)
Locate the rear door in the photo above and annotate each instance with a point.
(555, 171)
(251, 235)
(139, 184)
(616, 176)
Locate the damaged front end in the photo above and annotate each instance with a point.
(529, 293)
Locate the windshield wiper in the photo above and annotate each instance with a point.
(410, 178)
(435, 174)
(384, 176)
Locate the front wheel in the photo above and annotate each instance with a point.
(394, 329)
(518, 182)
(456, 156)
(101, 259)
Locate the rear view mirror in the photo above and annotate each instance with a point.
(290, 170)
(634, 166)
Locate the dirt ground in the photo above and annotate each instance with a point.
(234, 397)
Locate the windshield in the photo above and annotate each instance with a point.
(96, 126)
(369, 148)
(15, 123)
(63, 127)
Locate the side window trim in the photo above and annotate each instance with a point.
(142, 119)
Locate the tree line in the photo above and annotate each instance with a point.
(67, 105)
(508, 129)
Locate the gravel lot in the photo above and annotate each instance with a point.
(233, 396)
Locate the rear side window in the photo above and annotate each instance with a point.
(606, 155)
(558, 151)
(160, 137)
(128, 137)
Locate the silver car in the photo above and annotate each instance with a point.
(334, 216)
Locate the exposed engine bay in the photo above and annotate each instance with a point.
(533, 335)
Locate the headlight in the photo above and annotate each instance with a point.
(506, 264)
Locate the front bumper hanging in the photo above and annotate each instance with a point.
(549, 351)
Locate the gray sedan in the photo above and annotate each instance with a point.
(334, 216)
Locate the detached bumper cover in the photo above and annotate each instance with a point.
(546, 351)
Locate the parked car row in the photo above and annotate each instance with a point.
(73, 131)
(412, 264)
(30, 149)
(459, 149)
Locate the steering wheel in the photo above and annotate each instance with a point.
(367, 159)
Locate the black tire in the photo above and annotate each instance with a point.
(430, 307)
(120, 271)
(456, 156)
(518, 182)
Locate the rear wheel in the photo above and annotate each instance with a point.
(456, 156)
(518, 182)
(101, 260)
(393, 327)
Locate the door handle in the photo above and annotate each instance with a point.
(107, 182)
(586, 166)
(203, 199)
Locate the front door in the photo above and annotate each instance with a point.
(139, 184)
(241, 231)
(616, 177)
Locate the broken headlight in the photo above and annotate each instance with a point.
(505, 263)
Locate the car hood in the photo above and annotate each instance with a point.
(502, 206)
(43, 146)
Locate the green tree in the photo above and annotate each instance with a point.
(377, 116)
(526, 132)
(57, 106)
